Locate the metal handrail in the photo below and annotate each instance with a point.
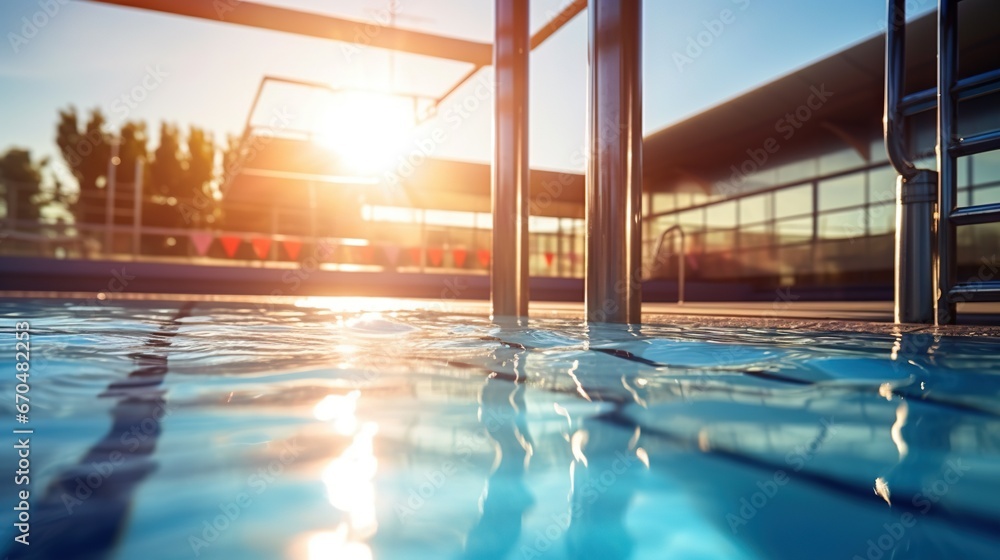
(680, 257)
(895, 72)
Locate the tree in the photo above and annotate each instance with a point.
(86, 152)
(198, 206)
(22, 183)
(132, 141)
(167, 172)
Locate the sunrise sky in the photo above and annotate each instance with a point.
(206, 73)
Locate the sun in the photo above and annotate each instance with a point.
(366, 130)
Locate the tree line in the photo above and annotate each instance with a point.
(180, 169)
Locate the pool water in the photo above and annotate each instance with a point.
(167, 430)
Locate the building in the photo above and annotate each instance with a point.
(789, 184)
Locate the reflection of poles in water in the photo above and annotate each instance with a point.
(606, 462)
(603, 476)
(922, 434)
(506, 498)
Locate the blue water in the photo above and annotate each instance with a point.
(322, 430)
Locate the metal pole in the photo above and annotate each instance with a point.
(915, 188)
(109, 205)
(509, 271)
(915, 199)
(947, 272)
(614, 172)
(137, 209)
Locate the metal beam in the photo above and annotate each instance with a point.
(557, 22)
(614, 171)
(509, 270)
(366, 33)
(549, 29)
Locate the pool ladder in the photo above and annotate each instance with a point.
(681, 255)
(920, 257)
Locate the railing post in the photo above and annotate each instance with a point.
(614, 171)
(109, 202)
(947, 246)
(137, 209)
(509, 270)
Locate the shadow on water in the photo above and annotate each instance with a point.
(84, 510)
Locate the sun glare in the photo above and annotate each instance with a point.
(366, 130)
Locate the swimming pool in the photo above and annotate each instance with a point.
(324, 429)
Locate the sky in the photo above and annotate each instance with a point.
(135, 64)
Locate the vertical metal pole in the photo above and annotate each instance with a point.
(109, 203)
(137, 208)
(423, 240)
(509, 271)
(559, 247)
(916, 189)
(614, 172)
(947, 170)
(914, 282)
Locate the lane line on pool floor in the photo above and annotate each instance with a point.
(85, 507)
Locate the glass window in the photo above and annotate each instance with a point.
(721, 215)
(720, 240)
(975, 243)
(847, 224)
(754, 209)
(878, 153)
(986, 167)
(543, 224)
(965, 197)
(755, 181)
(964, 168)
(882, 219)
(798, 230)
(758, 235)
(842, 192)
(794, 201)
(692, 220)
(684, 199)
(797, 171)
(662, 202)
(882, 185)
(986, 195)
(839, 161)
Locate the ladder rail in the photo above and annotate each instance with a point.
(681, 256)
(947, 266)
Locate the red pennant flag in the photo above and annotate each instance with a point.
(459, 256)
(230, 243)
(574, 258)
(549, 258)
(201, 241)
(484, 257)
(436, 255)
(261, 246)
(292, 248)
(415, 255)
